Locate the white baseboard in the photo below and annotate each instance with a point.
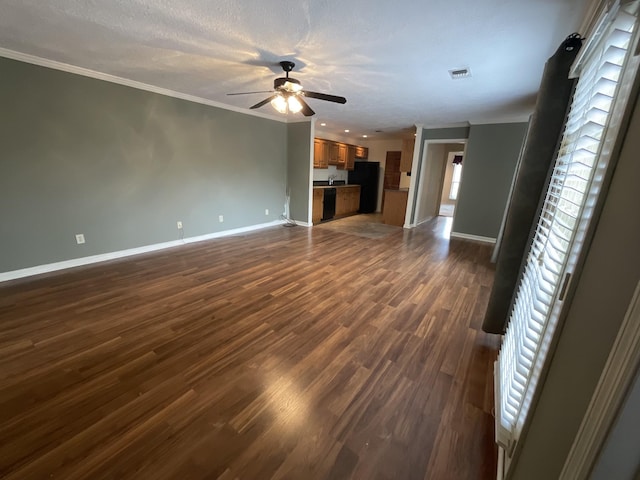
(500, 469)
(103, 257)
(477, 238)
(303, 224)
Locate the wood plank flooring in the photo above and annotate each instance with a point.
(289, 353)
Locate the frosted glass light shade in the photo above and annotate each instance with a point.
(294, 104)
(280, 104)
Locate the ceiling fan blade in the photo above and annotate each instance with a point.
(306, 109)
(325, 96)
(263, 102)
(249, 93)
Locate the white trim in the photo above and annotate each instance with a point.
(85, 72)
(303, 224)
(522, 118)
(503, 436)
(605, 15)
(610, 392)
(500, 469)
(477, 238)
(594, 12)
(417, 224)
(312, 133)
(103, 257)
(415, 168)
(416, 173)
(440, 126)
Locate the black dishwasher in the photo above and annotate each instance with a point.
(329, 207)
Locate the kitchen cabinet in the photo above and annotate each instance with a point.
(350, 158)
(342, 155)
(361, 152)
(320, 153)
(333, 153)
(406, 157)
(347, 200)
(395, 207)
(318, 203)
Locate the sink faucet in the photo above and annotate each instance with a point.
(331, 179)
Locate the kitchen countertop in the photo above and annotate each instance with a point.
(335, 186)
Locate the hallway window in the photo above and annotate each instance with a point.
(455, 181)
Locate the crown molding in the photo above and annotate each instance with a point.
(85, 72)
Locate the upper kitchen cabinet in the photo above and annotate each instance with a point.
(337, 153)
(351, 157)
(406, 158)
(361, 152)
(342, 155)
(320, 153)
(343, 152)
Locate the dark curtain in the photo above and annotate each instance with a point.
(532, 177)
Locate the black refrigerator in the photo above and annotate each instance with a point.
(366, 175)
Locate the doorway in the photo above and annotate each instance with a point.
(427, 181)
(451, 184)
(391, 173)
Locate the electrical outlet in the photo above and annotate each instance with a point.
(266, 211)
(179, 223)
(221, 218)
(80, 238)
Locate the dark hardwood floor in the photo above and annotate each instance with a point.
(286, 353)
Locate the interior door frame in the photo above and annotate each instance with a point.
(416, 186)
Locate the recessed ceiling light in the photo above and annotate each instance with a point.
(346, 130)
(457, 73)
(323, 124)
(364, 136)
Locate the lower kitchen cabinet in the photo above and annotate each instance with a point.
(318, 203)
(347, 200)
(395, 207)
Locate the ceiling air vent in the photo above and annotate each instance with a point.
(459, 73)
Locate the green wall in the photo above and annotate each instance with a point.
(454, 133)
(489, 165)
(121, 165)
(299, 169)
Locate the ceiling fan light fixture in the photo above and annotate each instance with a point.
(288, 93)
(294, 104)
(279, 103)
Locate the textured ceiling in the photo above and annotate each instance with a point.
(390, 59)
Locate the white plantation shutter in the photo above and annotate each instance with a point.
(574, 187)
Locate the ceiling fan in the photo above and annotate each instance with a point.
(288, 93)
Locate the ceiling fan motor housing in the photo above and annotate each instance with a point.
(279, 83)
